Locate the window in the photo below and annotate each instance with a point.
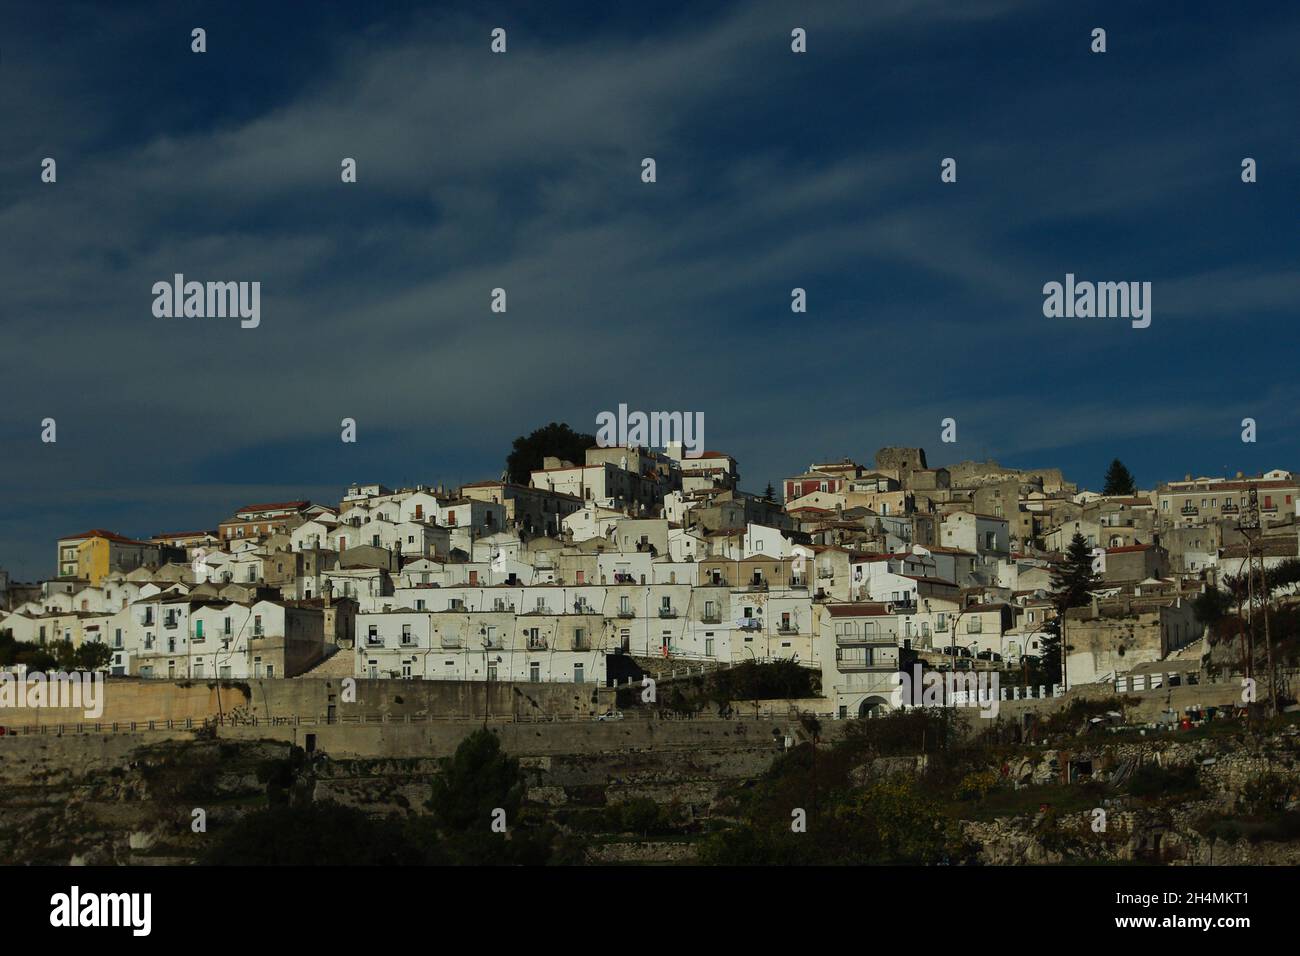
(708, 647)
(577, 673)
(974, 625)
(198, 633)
(535, 672)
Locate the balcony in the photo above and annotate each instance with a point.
(787, 629)
(799, 583)
(1230, 509)
(853, 663)
(374, 642)
(582, 644)
(707, 618)
(537, 643)
(452, 640)
(1189, 510)
(852, 638)
(757, 586)
(627, 615)
(750, 624)
(667, 612)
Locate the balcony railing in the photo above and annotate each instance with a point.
(1189, 510)
(787, 629)
(667, 612)
(750, 624)
(757, 585)
(707, 618)
(450, 640)
(626, 614)
(799, 583)
(850, 638)
(852, 663)
(537, 643)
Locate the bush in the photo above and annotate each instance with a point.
(976, 785)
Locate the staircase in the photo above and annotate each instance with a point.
(339, 664)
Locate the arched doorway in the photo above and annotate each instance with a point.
(873, 707)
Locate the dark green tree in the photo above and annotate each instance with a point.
(472, 790)
(769, 493)
(1071, 580)
(1119, 480)
(556, 439)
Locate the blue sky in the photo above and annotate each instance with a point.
(522, 171)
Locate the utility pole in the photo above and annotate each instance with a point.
(1251, 528)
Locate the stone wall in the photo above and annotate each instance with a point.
(138, 700)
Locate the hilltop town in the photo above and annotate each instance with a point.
(635, 562)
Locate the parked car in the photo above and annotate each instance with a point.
(610, 715)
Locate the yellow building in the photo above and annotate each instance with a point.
(92, 555)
